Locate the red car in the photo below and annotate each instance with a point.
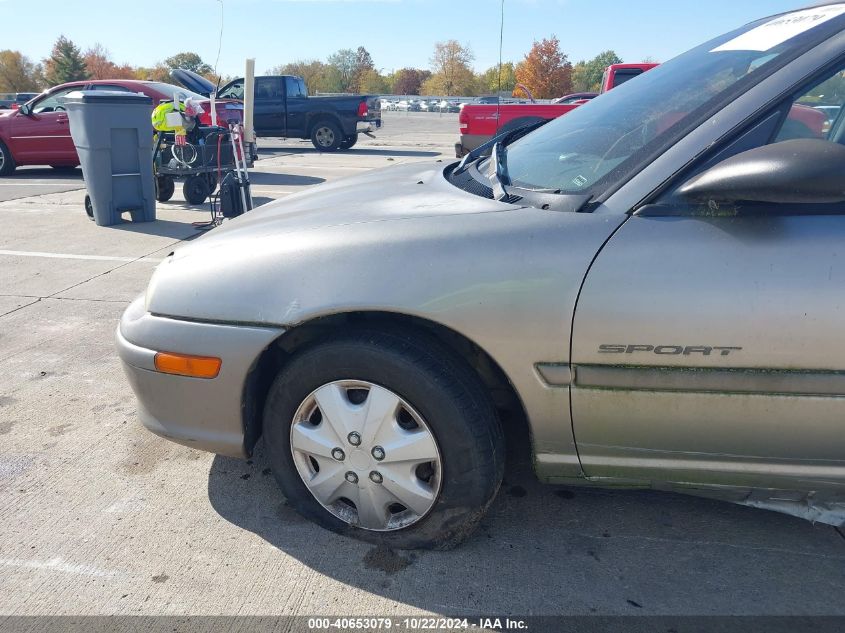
(38, 133)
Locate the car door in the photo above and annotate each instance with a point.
(707, 343)
(296, 105)
(43, 135)
(269, 109)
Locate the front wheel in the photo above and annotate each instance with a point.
(165, 187)
(327, 136)
(7, 162)
(195, 189)
(387, 437)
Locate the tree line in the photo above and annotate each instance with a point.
(545, 71)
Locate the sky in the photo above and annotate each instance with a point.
(397, 33)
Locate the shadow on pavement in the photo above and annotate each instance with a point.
(162, 228)
(259, 201)
(553, 550)
(361, 151)
(270, 178)
(46, 173)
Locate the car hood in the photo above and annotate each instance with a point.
(393, 193)
(357, 218)
(192, 81)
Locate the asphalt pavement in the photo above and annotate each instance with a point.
(101, 517)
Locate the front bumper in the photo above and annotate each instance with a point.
(368, 127)
(201, 413)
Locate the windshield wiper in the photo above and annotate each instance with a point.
(504, 139)
(499, 178)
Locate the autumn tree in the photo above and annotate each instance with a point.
(451, 71)
(318, 76)
(363, 67)
(65, 63)
(18, 73)
(586, 75)
(100, 66)
(159, 72)
(545, 71)
(371, 82)
(310, 70)
(408, 81)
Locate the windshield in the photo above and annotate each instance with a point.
(603, 141)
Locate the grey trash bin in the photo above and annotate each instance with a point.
(113, 136)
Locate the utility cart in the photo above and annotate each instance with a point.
(201, 158)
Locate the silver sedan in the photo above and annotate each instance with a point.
(653, 282)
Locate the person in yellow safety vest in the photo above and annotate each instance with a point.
(159, 118)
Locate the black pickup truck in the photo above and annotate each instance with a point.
(284, 109)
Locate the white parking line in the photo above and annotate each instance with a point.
(100, 258)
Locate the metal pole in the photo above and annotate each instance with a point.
(232, 132)
(246, 172)
(249, 100)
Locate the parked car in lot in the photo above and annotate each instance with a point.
(9, 100)
(284, 109)
(576, 97)
(653, 282)
(38, 133)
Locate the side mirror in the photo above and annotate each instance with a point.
(24, 110)
(798, 171)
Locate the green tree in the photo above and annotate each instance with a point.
(586, 75)
(345, 62)
(489, 79)
(18, 73)
(188, 61)
(65, 63)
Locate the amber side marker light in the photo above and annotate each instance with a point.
(185, 365)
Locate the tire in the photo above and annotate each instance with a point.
(326, 136)
(89, 208)
(349, 142)
(434, 388)
(7, 161)
(195, 189)
(165, 188)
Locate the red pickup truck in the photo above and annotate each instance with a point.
(481, 122)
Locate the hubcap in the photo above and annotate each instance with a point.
(390, 479)
(325, 136)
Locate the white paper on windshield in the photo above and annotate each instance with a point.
(778, 30)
